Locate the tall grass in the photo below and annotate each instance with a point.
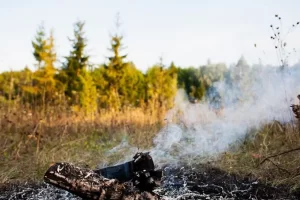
(31, 140)
(249, 157)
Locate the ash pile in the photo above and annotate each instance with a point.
(206, 182)
(138, 179)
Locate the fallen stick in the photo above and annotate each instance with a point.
(279, 154)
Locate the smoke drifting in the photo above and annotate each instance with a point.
(210, 127)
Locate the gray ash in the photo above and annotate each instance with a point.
(34, 191)
(180, 183)
(205, 182)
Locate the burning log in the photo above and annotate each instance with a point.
(108, 183)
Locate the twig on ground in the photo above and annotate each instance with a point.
(280, 168)
(279, 154)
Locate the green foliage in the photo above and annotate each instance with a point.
(44, 80)
(189, 80)
(100, 83)
(25, 89)
(14, 84)
(39, 44)
(131, 89)
(240, 71)
(118, 83)
(88, 95)
(197, 81)
(239, 79)
(75, 66)
(78, 83)
(210, 74)
(115, 85)
(161, 84)
(113, 73)
(5, 79)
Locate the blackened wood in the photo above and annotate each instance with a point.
(87, 184)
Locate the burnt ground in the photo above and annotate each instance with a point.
(201, 182)
(33, 191)
(204, 182)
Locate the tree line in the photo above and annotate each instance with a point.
(114, 85)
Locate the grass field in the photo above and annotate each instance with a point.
(30, 143)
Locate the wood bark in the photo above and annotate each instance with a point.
(88, 184)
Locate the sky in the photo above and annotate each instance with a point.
(188, 32)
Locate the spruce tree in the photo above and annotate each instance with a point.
(114, 72)
(121, 84)
(76, 64)
(43, 87)
(79, 86)
(45, 74)
(39, 44)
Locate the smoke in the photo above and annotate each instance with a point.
(232, 111)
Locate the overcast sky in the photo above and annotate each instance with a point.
(187, 32)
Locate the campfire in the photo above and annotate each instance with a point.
(135, 179)
(138, 179)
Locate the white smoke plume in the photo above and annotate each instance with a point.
(198, 130)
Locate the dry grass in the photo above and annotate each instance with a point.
(248, 157)
(31, 141)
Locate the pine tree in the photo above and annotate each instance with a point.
(121, 84)
(189, 79)
(44, 83)
(39, 44)
(45, 74)
(241, 69)
(79, 86)
(76, 64)
(114, 72)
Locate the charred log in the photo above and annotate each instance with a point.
(88, 184)
(130, 180)
(141, 170)
(82, 182)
